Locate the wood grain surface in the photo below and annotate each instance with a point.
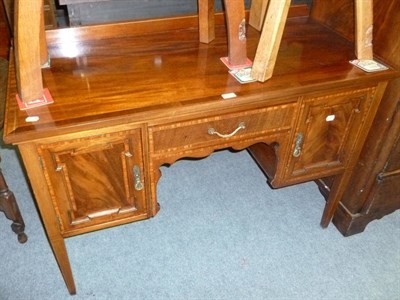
(113, 78)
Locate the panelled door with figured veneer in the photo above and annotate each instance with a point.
(326, 132)
(95, 180)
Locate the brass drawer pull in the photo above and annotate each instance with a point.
(212, 131)
(136, 177)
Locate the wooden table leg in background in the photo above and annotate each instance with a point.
(237, 40)
(206, 21)
(29, 52)
(364, 29)
(9, 206)
(270, 40)
(258, 10)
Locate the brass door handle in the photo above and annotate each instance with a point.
(137, 179)
(298, 144)
(212, 131)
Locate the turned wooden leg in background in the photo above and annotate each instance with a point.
(9, 206)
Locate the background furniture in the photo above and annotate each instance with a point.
(89, 12)
(6, 36)
(374, 190)
(8, 203)
(49, 9)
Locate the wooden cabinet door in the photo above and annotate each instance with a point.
(96, 180)
(326, 132)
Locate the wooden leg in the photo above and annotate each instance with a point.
(27, 49)
(341, 181)
(206, 21)
(268, 46)
(257, 13)
(51, 222)
(61, 254)
(334, 197)
(236, 22)
(364, 28)
(9, 206)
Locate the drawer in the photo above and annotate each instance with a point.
(213, 130)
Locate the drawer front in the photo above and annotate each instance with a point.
(213, 130)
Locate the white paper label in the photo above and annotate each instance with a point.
(229, 96)
(32, 119)
(330, 118)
